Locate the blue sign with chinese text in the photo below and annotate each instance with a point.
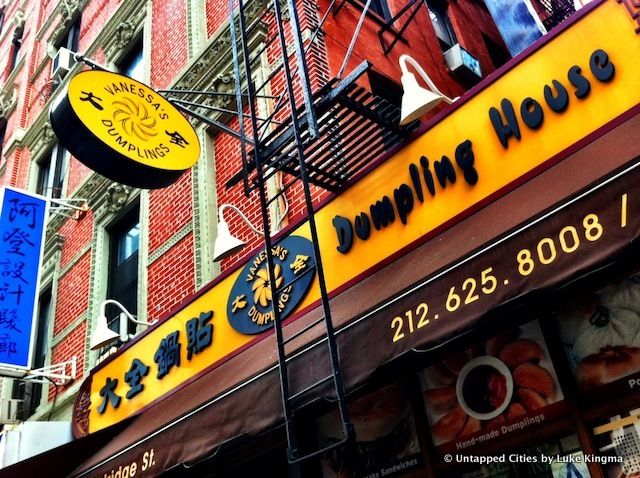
(22, 228)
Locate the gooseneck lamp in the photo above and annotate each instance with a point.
(416, 100)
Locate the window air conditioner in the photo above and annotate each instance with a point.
(9, 410)
(62, 63)
(462, 64)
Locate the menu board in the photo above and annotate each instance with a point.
(386, 439)
(502, 386)
(601, 336)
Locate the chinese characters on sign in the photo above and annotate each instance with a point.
(199, 336)
(251, 301)
(22, 219)
(177, 347)
(124, 130)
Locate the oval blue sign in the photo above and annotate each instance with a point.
(250, 307)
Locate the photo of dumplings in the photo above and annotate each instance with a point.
(489, 385)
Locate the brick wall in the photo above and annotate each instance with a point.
(72, 345)
(171, 274)
(170, 210)
(78, 235)
(325, 59)
(169, 52)
(171, 278)
(73, 293)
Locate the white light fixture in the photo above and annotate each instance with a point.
(103, 335)
(416, 100)
(226, 244)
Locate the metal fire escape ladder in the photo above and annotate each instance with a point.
(263, 168)
(322, 139)
(397, 34)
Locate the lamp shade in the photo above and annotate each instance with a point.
(103, 334)
(416, 100)
(225, 244)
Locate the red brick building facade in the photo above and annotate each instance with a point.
(482, 274)
(180, 44)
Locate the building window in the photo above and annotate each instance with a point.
(70, 40)
(499, 55)
(51, 172)
(31, 392)
(3, 133)
(384, 87)
(438, 11)
(13, 58)
(132, 63)
(379, 7)
(16, 43)
(124, 245)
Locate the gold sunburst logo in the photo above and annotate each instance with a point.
(134, 118)
(262, 287)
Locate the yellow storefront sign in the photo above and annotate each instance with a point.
(583, 79)
(123, 129)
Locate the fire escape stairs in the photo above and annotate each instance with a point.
(324, 139)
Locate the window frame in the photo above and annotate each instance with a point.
(380, 8)
(136, 49)
(16, 44)
(69, 40)
(439, 12)
(3, 137)
(55, 160)
(116, 230)
(32, 393)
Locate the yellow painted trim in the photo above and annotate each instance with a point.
(608, 28)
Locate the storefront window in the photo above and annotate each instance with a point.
(386, 438)
(600, 332)
(565, 459)
(492, 391)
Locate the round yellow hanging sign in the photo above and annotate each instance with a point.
(124, 130)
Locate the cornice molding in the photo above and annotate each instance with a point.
(65, 12)
(40, 136)
(8, 97)
(212, 70)
(125, 24)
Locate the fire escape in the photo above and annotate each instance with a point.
(555, 12)
(314, 131)
(320, 137)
